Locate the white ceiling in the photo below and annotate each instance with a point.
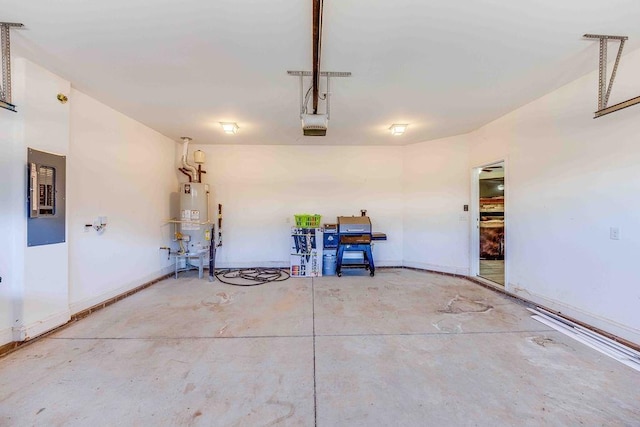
(446, 68)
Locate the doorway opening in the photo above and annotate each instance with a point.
(491, 224)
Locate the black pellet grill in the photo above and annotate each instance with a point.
(354, 235)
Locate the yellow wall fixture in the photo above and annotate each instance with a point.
(229, 128)
(398, 129)
(62, 98)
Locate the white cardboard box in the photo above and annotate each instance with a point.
(306, 252)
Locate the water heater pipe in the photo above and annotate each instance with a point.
(185, 163)
(187, 173)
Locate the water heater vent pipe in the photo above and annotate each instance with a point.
(192, 171)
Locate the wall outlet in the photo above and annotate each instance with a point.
(614, 233)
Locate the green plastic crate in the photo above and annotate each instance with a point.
(307, 220)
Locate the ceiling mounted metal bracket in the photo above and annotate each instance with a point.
(604, 88)
(322, 73)
(328, 75)
(5, 87)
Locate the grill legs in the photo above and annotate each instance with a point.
(368, 258)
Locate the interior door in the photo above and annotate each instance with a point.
(491, 223)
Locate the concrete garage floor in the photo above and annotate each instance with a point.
(403, 348)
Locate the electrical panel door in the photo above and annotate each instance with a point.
(45, 198)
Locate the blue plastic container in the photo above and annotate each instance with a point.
(329, 265)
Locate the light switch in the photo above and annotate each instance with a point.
(614, 233)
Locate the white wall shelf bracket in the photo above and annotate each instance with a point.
(5, 86)
(604, 87)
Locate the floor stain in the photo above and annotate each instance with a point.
(289, 405)
(445, 326)
(461, 304)
(189, 388)
(217, 306)
(377, 309)
(331, 293)
(543, 341)
(286, 303)
(250, 324)
(222, 330)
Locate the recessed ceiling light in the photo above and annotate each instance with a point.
(398, 129)
(230, 128)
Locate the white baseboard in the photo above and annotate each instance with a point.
(27, 332)
(463, 271)
(285, 264)
(6, 336)
(387, 263)
(252, 264)
(78, 306)
(623, 331)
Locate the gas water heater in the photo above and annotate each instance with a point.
(195, 226)
(194, 232)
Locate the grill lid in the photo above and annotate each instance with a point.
(354, 225)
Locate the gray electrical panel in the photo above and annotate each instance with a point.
(45, 198)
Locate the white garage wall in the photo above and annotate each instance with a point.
(262, 187)
(123, 170)
(436, 188)
(115, 167)
(37, 276)
(569, 179)
(9, 124)
(12, 155)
